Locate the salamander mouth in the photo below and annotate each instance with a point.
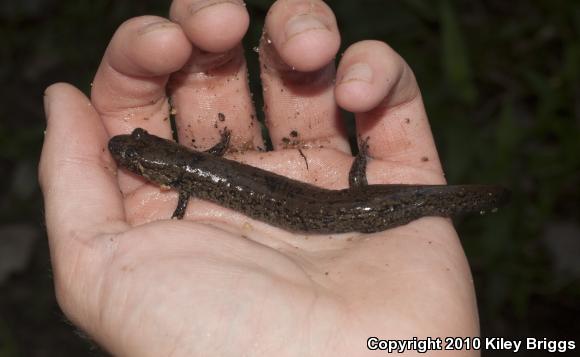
(117, 146)
(124, 151)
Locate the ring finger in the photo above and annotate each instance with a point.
(297, 50)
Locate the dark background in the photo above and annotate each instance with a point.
(501, 82)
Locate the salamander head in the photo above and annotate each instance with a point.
(155, 158)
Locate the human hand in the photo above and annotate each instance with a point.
(218, 283)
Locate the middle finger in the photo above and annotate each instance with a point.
(211, 91)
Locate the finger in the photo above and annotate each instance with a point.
(81, 194)
(296, 55)
(211, 92)
(129, 88)
(377, 84)
(304, 33)
(212, 25)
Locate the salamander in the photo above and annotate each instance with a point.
(290, 204)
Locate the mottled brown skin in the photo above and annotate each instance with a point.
(290, 204)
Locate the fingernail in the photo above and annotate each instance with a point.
(155, 25)
(302, 23)
(361, 72)
(46, 102)
(198, 5)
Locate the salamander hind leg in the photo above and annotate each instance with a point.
(357, 177)
(181, 205)
(221, 147)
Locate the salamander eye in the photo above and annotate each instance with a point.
(138, 133)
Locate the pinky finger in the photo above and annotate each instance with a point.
(377, 84)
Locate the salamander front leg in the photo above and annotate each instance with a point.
(220, 148)
(357, 177)
(181, 205)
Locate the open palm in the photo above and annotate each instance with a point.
(218, 283)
